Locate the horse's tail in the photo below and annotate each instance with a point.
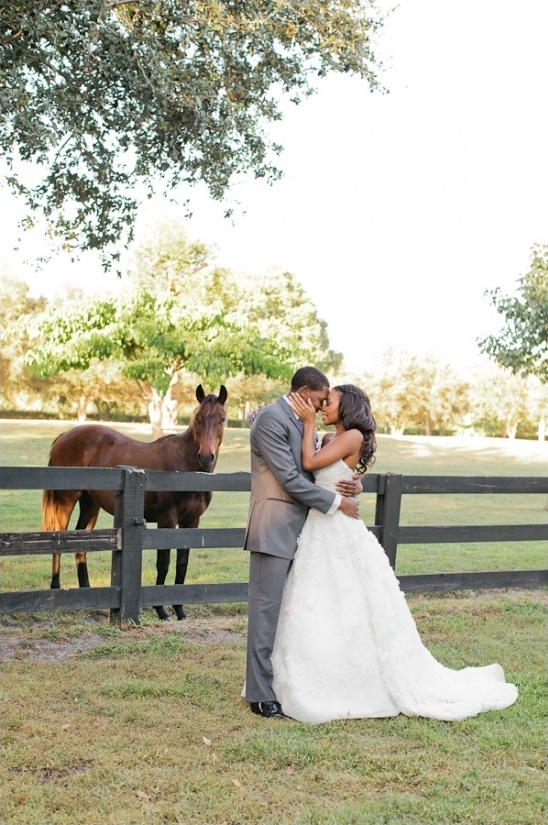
(50, 511)
(50, 501)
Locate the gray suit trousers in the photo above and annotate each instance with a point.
(267, 575)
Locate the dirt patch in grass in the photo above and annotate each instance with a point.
(51, 638)
(43, 650)
(46, 639)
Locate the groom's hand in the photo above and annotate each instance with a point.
(349, 506)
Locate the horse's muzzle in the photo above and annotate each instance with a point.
(206, 462)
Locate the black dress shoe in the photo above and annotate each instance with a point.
(271, 710)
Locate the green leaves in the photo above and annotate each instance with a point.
(522, 344)
(70, 337)
(102, 96)
(176, 313)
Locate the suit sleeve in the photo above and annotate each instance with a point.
(271, 437)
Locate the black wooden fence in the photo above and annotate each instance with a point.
(130, 536)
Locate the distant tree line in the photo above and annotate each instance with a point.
(178, 321)
(422, 394)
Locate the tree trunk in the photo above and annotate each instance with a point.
(81, 408)
(155, 413)
(169, 409)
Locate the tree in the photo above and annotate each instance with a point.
(538, 406)
(522, 344)
(102, 385)
(500, 401)
(153, 334)
(249, 392)
(16, 381)
(419, 392)
(104, 95)
(178, 313)
(279, 308)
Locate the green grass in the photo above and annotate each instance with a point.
(148, 726)
(27, 443)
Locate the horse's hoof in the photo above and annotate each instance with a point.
(162, 615)
(179, 612)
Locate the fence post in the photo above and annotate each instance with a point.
(387, 514)
(127, 563)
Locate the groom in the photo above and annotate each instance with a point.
(281, 495)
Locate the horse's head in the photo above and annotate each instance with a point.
(208, 426)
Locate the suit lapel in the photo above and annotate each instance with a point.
(287, 409)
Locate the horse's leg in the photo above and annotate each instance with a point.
(55, 583)
(89, 512)
(57, 507)
(180, 575)
(162, 566)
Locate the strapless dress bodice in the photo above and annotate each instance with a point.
(328, 477)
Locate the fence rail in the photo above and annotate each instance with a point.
(130, 535)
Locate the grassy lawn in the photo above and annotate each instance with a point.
(109, 727)
(102, 726)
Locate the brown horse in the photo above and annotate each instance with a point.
(94, 445)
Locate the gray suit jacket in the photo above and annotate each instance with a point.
(281, 492)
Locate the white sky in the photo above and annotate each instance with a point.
(396, 211)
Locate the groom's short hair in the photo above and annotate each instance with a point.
(309, 377)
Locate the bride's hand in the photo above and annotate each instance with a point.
(350, 488)
(302, 408)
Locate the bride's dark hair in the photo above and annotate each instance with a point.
(355, 414)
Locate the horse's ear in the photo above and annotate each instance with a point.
(200, 394)
(223, 395)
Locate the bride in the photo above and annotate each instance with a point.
(347, 645)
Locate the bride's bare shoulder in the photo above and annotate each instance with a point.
(327, 439)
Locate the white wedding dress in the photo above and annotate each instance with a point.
(347, 645)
